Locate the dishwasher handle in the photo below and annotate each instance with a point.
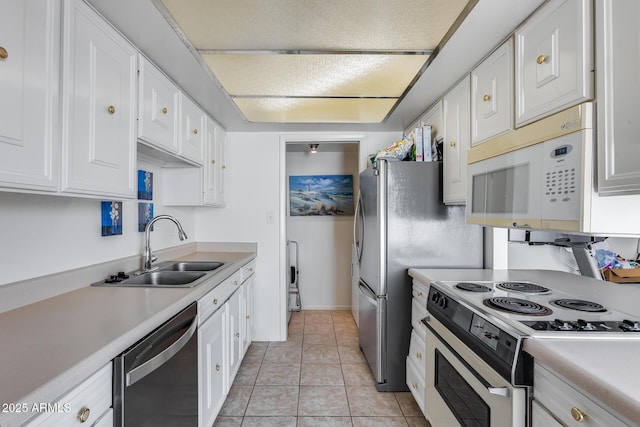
(138, 373)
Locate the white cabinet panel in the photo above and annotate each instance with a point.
(234, 313)
(618, 88)
(492, 95)
(158, 102)
(554, 59)
(215, 165)
(213, 366)
(456, 111)
(192, 121)
(99, 111)
(29, 105)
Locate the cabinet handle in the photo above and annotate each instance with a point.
(164, 110)
(111, 109)
(235, 282)
(3, 53)
(419, 293)
(452, 144)
(217, 367)
(237, 334)
(419, 355)
(486, 98)
(577, 414)
(541, 59)
(195, 131)
(213, 162)
(83, 415)
(414, 385)
(224, 167)
(248, 317)
(215, 301)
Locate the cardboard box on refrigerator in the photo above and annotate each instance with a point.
(622, 275)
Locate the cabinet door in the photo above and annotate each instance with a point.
(434, 118)
(158, 101)
(29, 112)
(248, 292)
(212, 344)
(618, 47)
(455, 105)
(554, 60)
(99, 114)
(221, 169)
(492, 95)
(215, 165)
(192, 121)
(234, 311)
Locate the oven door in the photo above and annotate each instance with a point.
(462, 390)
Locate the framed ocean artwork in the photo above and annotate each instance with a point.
(145, 185)
(321, 195)
(111, 213)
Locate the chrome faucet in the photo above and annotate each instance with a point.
(148, 257)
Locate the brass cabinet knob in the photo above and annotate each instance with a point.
(215, 301)
(486, 98)
(213, 162)
(541, 59)
(83, 414)
(419, 355)
(577, 414)
(195, 131)
(217, 367)
(419, 293)
(452, 144)
(111, 109)
(3, 53)
(164, 110)
(414, 385)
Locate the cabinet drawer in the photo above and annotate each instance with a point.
(247, 270)
(216, 298)
(415, 383)
(417, 353)
(91, 400)
(563, 401)
(418, 312)
(420, 293)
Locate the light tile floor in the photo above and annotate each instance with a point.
(317, 378)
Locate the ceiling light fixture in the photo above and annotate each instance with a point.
(314, 148)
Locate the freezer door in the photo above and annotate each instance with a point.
(372, 314)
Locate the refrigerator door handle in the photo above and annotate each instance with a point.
(358, 218)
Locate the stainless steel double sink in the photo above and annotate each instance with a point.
(168, 274)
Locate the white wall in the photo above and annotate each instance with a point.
(324, 241)
(257, 182)
(42, 235)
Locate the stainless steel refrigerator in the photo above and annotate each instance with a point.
(401, 223)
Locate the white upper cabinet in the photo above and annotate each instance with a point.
(215, 166)
(192, 122)
(554, 59)
(492, 95)
(158, 101)
(99, 106)
(457, 136)
(618, 88)
(433, 118)
(29, 81)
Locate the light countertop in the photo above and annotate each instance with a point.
(50, 346)
(605, 370)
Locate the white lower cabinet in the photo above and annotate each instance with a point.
(212, 350)
(416, 359)
(559, 401)
(88, 404)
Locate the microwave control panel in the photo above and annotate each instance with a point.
(561, 178)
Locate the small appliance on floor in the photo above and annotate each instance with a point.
(293, 274)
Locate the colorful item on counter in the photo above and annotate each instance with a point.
(111, 218)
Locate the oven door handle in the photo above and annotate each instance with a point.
(499, 391)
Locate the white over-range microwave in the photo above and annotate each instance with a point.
(538, 176)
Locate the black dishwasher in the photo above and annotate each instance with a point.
(156, 380)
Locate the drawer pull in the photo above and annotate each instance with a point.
(419, 355)
(414, 385)
(235, 282)
(486, 98)
(237, 334)
(3, 53)
(83, 415)
(217, 367)
(577, 414)
(215, 301)
(111, 109)
(164, 110)
(452, 144)
(541, 59)
(420, 293)
(195, 131)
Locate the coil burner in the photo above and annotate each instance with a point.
(524, 287)
(518, 306)
(580, 305)
(472, 287)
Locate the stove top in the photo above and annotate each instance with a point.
(534, 310)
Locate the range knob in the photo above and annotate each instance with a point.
(586, 326)
(435, 297)
(563, 326)
(442, 302)
(631, 326)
